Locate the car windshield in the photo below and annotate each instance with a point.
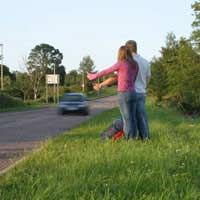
(72, 98)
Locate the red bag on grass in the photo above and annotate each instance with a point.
(114, 131)
(118, 135)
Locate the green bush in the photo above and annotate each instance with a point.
(7, 101)
(74, 88)
(175, 75)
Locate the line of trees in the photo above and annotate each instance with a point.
(76, 80)
(176, 73)
(45, 59)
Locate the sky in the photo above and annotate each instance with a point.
(89, 27)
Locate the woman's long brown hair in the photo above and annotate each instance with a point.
(124, 54)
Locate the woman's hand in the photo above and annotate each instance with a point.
(91, 76)
(97, 86)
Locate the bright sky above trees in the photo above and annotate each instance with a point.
(95, 28)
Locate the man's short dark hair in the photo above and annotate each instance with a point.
(132, 45)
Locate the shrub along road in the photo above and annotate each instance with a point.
(21, 132)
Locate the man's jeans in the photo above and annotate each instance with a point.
(127, 105)
(142, 121)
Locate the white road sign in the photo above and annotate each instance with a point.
(52, 79)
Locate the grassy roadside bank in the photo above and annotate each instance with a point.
(77, 165)
(24, 107)
(9, 103)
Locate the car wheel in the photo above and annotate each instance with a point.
(61, 112)
(86, 112)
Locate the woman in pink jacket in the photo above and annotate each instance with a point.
(127, 70)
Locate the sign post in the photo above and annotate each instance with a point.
(53, 79)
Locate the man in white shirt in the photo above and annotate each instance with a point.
(142, 80)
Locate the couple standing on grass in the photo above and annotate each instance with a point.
(133, 75)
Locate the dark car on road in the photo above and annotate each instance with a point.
(74, 102)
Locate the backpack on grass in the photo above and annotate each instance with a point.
(114, 131)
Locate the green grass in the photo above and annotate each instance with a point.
(78, 165)
(23, 107)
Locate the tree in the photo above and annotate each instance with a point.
(61, 71)
(23, 84)
(6, 72)
(159, 78)
(188, 74)
(42, 58)
(72, 78)
(195, 37)
(86, 66)
(169, 61)
(161, 67)
(6, 82)
(176, 74)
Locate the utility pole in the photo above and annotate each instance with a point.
(54, 86)
(1, 66)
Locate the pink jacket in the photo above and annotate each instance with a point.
(126, 75)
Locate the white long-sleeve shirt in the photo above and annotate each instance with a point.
(144, 74)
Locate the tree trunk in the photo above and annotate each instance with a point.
(24, 97)
(35, 94)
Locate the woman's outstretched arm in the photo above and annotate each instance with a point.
(107, 82)
(104, 72)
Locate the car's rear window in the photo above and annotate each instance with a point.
(73, 98)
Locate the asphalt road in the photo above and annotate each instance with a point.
(21, 132)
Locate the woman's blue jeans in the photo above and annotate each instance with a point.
(127, 105)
